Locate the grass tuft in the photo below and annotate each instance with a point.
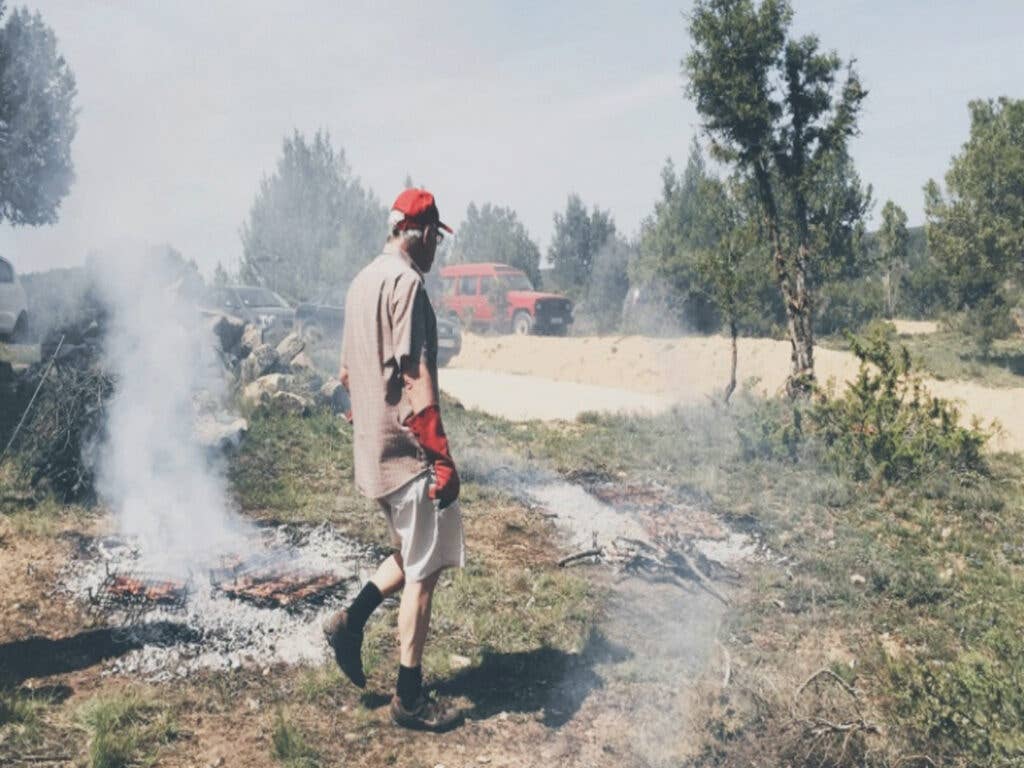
(290, 745)
(125, 729)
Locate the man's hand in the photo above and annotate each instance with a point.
(343, 378)
(426, 426)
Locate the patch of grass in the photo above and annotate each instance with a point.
(33, 515)
(290, 745)
(20, 715)
(510, 610)
(293, 469)
(126, 729)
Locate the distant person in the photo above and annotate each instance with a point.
(402, 458)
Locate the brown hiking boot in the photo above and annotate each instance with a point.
(348, 647)
(429, 714)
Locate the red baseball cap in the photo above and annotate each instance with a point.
(419, 209)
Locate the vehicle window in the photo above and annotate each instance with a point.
(486, 286)
(6, 272)
(467, 286)
(226, 299)
(259, 297)
(449, 286)
(516, 281)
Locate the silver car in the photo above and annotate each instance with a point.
(13, 305)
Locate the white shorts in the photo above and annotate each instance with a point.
(428, 537)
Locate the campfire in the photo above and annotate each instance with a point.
(249, 610)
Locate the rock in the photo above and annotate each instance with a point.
(857, 580)
(290, 403)
(302, 362)
(259, 391)
(290, 346)
(228, 331)
(261, 361)
(252, 337)
(459, 662)
(333, 395)
(218, 434)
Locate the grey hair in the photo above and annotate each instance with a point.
(394, 219)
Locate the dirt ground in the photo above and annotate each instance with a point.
(683, 370)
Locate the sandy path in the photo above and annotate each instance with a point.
(615, 370)
(519, 398)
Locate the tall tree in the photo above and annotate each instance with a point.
(775, 109)
(609, 283)
(312, 223)
(727, 253)
(667, 252)
(894, 247)
(37, 121)
(494, 233)
(576, 241)
(976, 230)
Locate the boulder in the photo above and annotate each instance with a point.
(218, 433)
(228, 331)
(302, 362)
(261, 389)
(260, 362)
(252, 337)
(290, 403)
(290, 346)
(333, 395)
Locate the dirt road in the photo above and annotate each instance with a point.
(540, 377)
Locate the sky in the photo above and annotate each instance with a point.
(184, 105)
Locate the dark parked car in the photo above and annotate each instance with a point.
(328, 315)
(254, 305)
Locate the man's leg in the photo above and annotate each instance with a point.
(410, 708)
(344, 630)
(390, 575)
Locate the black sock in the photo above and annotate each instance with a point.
(366, 602)
(410, 683)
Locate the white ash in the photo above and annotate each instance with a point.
(214, 631)
(587, 522)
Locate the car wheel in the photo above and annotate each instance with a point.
(522, 324)
(20, 332)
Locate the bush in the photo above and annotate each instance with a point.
(769, 429)
(886, 425)
(849, 305)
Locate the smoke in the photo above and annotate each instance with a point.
(167, 492)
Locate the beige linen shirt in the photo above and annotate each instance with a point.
(388, 318)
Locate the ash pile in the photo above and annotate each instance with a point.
(251, 609)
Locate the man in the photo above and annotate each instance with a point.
(402, 459)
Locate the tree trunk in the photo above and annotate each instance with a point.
(795, 296)
(731, 387)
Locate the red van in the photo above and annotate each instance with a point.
(468, 292)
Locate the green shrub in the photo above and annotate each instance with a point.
(886, 425)
(769, 429)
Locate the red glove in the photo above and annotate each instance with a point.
(426, 426)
